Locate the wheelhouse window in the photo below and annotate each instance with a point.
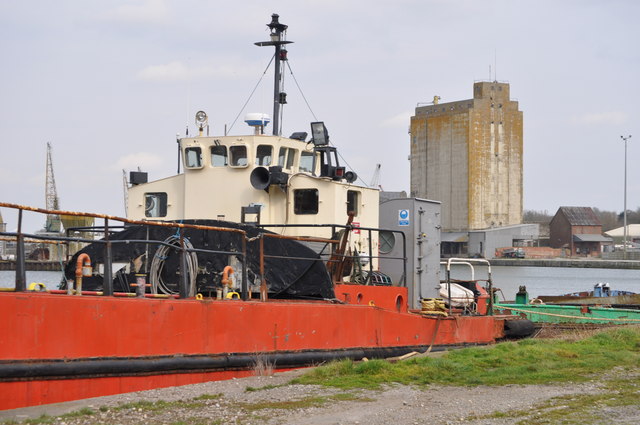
(291, 158)
(238, 156)
(353, 200)
(264, 154)
(193, 157)
(287, 157)
(306, 161)
(305, 201)
(155, 204)
(219, 156)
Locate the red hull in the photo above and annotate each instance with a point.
(41, 328)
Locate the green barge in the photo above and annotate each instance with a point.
(539, 312)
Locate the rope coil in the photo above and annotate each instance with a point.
(157, 265)
(433, 306)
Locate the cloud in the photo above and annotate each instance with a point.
(145, 11)
(401, 120)
(178, 71)
(144, 160)
(173, 71)
(613, 117)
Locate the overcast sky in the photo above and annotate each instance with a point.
(111, 83)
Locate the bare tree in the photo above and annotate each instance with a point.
(532, 216)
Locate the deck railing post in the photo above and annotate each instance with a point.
(369, 279)
(21, 275)
(449, 288)
(490, 287)
(107, 282)
(184, 293)
(244, 282)
(404, 262)
(263, 281)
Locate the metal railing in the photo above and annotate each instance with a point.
(20, 236)
(333, 228)
(109, 243)
(470, 263)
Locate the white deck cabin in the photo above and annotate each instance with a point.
(224, 174)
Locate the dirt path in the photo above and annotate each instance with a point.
(267, 400)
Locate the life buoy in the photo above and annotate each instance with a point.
(225, 276)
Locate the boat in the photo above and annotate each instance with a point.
(602, 294)
(540, 312)
(238, 260)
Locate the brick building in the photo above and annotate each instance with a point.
(577, 229)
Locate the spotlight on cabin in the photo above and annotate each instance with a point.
(201, 121)
(319, 134)
(201, 118)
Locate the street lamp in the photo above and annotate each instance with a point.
(625, 194)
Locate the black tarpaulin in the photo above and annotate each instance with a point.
(304, 276)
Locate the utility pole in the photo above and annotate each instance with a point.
(625, 194)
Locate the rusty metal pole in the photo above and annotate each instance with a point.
(107, 278)
(21, 274)
(244, 283)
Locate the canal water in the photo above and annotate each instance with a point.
(538, 280)
(558, 280)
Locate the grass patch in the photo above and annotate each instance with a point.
(581, 408)
(530, 361)
(85, 411)
(209, 397)
(266, 387)
(303, 403)
(156, 406)
(198, 421)
(44, 419)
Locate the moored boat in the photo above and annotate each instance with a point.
(187, 290)
(602, 294)
(539, 312)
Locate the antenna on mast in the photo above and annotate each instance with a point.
(495, 64)
(278, 32)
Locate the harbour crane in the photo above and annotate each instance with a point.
(51, 195)
(125, 191)
(375, 180)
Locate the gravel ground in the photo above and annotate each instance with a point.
(229, 402)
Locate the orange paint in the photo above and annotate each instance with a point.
(36, 328)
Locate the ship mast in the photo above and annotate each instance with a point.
(278, 31)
